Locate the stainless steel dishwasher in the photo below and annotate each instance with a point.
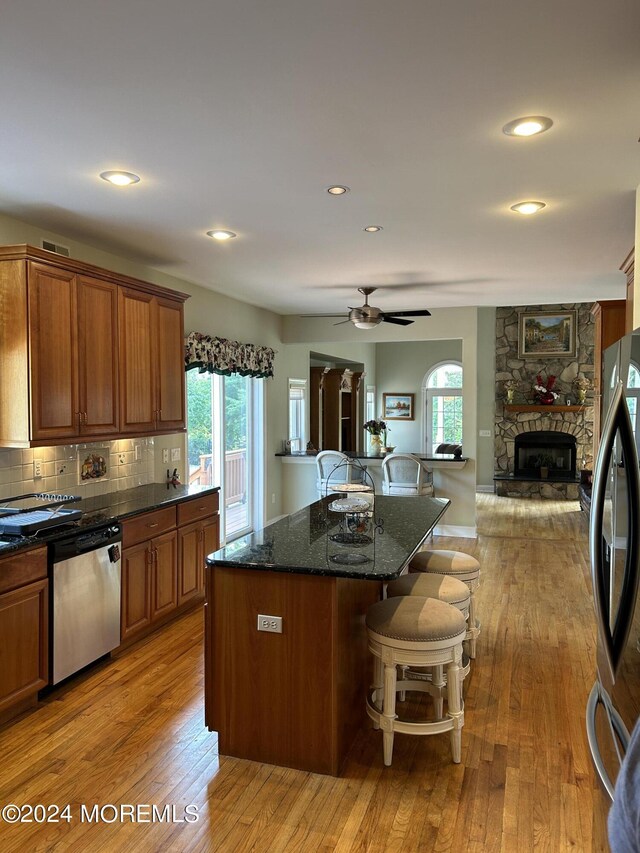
(85, 577)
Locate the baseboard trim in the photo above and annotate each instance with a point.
(490, 489)
(455, 530)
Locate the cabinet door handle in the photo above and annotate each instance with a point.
(153, 524)
(79, 417)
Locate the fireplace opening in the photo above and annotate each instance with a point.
(550, 453)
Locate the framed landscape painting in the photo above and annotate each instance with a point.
(398, 407)
(547, 333)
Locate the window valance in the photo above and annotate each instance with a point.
(218, 355)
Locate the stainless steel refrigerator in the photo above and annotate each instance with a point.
(614, 541)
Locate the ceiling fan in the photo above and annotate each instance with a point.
(368, 316)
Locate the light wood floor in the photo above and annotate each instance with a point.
(132, 732)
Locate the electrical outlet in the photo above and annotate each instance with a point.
(273, 624)
(121, 458)
(165, 455)
(137, 453)
(485, 433)
(273, 497)
(37, 469)
(175, 454)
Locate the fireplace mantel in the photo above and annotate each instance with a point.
(512, 407)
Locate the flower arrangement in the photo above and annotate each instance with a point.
(510, 386)
(543, 390)
(582, 385)
(376, 426)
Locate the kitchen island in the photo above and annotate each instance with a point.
(296, 698)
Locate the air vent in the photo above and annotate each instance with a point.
(54, 247)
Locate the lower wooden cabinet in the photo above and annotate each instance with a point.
(149, 583)
(195, 541)
(161, 573)
(24, 631)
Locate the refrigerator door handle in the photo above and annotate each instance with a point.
(619, 733)
(617, 420)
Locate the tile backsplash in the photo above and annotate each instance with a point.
(130, 462)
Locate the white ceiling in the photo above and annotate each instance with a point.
(239, 114)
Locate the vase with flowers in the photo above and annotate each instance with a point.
(377, 430)
(543, 390)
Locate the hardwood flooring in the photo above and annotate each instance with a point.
(132, 732)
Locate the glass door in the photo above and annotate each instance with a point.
(225, 445)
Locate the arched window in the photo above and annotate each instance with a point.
(633, 395)
(443, 417)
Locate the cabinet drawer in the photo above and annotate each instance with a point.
(22, 568)
(197, 508)
(150, 524)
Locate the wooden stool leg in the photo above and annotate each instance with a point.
(454, 692)
(402, 694)
(378, 685)
(437, 681)
(472, 626)
(388, 712)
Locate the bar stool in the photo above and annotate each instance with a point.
(416, 631)
(442, 587)
(459, 565)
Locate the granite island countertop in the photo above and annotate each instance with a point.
(302, 542)
(111, 507)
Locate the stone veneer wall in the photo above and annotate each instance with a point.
(524, 371)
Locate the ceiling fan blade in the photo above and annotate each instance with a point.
(396, 321)
(342, 322)
(321, 315)
(420, 313)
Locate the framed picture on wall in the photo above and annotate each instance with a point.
(398, 407)
(546, 333)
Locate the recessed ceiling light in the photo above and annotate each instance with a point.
(219, 234)
(371, 229)
(528, 207)
(337, 190)
(120, 179)
(527, 126)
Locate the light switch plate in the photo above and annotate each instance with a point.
(273, 624)
(175, 454)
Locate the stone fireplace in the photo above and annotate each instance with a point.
(527, 434)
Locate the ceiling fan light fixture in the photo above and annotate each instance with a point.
(372, 229)
(527, 126)
(337, 189)
(527, 208)
(221, 234)
(120, 179)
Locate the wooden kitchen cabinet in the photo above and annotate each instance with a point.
(149, 584)
(85, 352)
(152, 367)
(610, 320)
(195, 541)
(24, 630)
(164, 579)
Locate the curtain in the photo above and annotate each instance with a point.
(218, 355)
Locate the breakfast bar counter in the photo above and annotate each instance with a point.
(286, 660)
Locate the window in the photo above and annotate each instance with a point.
(633, 394)
(297, 414)
(443, 416)
(370, 403)
(224, 444)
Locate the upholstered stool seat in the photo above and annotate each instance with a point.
(416, 631)
(461, 566)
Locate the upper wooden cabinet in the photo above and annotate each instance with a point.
(85, 352)
(152, 368)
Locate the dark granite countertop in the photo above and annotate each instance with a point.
(301, 543)
(111, 507)
(435, 457)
